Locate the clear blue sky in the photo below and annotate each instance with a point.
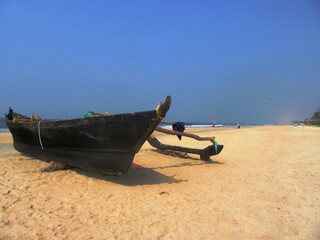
(59, 59)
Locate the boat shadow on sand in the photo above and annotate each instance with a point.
(135, 176)
(189, 164)
(140, 175)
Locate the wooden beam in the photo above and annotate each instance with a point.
(190, 135)
(170, 123)
(204, 153)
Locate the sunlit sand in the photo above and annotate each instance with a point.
(263, 185)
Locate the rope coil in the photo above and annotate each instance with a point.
(39, 135)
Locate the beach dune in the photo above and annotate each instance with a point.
(265, 184)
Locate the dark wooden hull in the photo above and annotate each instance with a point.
(101, 143)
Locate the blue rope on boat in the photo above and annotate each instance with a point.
(216, 145)
(39, 134)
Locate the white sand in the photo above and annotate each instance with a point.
(264, 185)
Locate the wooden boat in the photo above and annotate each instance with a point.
(101, 143)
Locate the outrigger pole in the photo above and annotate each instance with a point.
(171, 132)
(204, 153)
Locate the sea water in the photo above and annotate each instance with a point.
(4, 130)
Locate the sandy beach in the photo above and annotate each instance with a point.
(265, 184)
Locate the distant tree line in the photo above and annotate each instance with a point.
(316, 115)
(315, 119)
